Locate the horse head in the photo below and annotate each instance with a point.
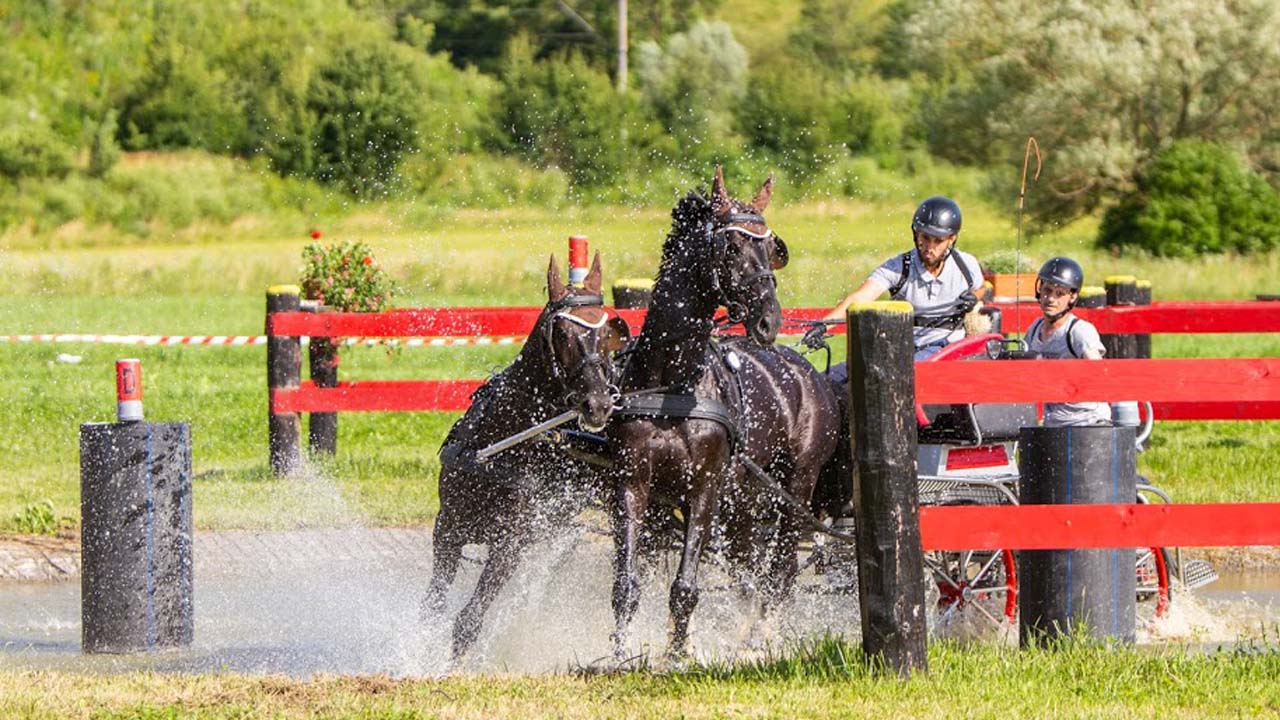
(581, 337)
(745, 252)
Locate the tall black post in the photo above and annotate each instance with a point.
(284, 371)
(1142, 296)
(1062, 591)
(322, 427)
(883, 430)
(135, 539)
(1121, 290)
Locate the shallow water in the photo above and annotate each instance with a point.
(361, 616)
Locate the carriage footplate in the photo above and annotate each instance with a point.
(1197, 574)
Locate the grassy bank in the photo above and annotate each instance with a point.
(211, 281)
(824, 680)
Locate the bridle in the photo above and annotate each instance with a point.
(590, 352)
(720, 239)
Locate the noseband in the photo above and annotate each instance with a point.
(720, 238)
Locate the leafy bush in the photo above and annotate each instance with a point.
(787, 112)
(29, 147)
(344, 276)
(181, 102)
(562, 113)
(1195, 198)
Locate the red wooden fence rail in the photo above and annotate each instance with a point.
(1241, 388)
(1057, 527)
(1162, 317)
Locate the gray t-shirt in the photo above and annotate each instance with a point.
(929, 295)
(1073, 339)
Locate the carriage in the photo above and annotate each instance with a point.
(967, 455)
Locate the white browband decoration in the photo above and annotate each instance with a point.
(584, 323)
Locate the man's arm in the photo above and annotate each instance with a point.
(869, 290)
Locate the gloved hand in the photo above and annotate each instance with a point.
(816, 336)
(966, 302)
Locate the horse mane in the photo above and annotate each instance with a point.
(688, 222)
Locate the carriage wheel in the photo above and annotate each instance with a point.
(984, 581)
(1153, 577)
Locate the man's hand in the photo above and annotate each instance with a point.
(816, 336)
(966, 302)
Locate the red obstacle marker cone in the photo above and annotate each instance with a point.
(577, 259)
(129, 390)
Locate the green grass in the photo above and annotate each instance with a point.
(820, 679)
(212, 279)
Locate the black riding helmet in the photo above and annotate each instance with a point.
(1065, 272)
(937, 216)
(1061, 271)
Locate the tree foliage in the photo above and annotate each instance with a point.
(478, 32)
(563, 113)
(1195, 198)
(1104, 86)
(693, 83)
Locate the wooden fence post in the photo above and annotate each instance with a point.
(883, 430)
(1121, 290)
(322, 427)
(284, 370)
(1143, 297)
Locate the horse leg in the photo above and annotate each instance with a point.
(446, 554)
(785, 564)
(684, 590)
(504, 557)
(630, 504)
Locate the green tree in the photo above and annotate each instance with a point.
(1103, 86)
(694, 84)
(476, 32)
(564, 113)
(1195, 198)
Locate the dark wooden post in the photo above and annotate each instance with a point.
(1143, 297)
(1121, 290)
(632, 293)
(284, 370)
(1092, 296)
(882, 425)
(322, 428)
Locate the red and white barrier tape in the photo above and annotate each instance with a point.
(237, 340)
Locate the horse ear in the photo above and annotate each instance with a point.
(594, 276)
(720, 201)
(617, 339)
(761, 200)
(555, 284)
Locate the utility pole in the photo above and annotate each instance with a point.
(622, 46)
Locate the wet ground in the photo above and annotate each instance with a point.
(346, 602)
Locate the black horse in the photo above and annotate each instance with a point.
(505, 501)
(728, 414)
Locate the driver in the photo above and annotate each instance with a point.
(938, 280)
(1059, 334)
